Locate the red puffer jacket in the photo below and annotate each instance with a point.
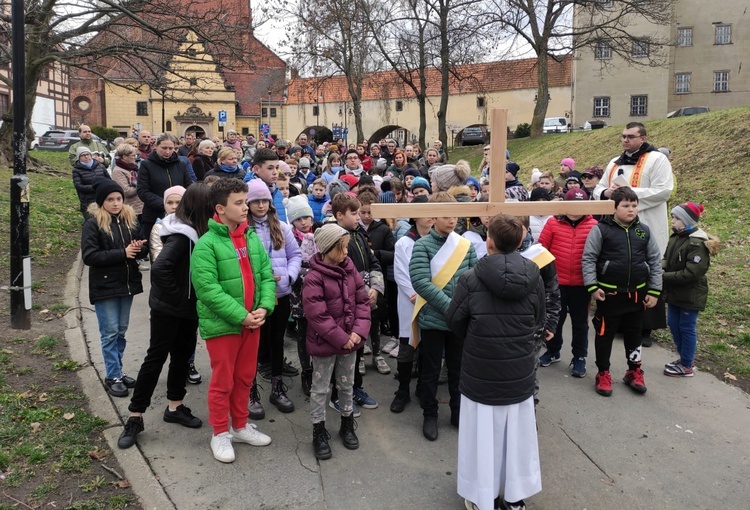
(565, 239)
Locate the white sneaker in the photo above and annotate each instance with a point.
(221, 446)
(392, 344)
(250, 435)
(394, 352)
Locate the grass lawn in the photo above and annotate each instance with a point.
(711, 162)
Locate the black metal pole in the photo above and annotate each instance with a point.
(163, 119)
(20, 262)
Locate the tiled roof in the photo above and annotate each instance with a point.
(471, 79)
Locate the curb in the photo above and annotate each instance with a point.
(136, 469)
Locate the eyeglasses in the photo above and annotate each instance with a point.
(629, 137)
(587, 177)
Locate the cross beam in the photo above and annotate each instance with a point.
(497, 203)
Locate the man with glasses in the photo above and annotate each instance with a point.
(649, 173)
(352, 164)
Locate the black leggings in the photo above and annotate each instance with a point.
(304, 357)
(272, 336)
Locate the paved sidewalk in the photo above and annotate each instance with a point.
(682, 445)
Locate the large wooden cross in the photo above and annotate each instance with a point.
(496, 204)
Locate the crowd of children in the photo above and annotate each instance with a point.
(285, 245)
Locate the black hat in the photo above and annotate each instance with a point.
(538, 194)
(512, 167)
(419, 199)
(103, 187)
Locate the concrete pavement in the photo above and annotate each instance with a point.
(682, 445)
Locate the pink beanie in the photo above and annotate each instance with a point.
(569, 162)
(174, 190)
(257, 190)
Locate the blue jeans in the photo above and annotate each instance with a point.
(682, 323)
(113, 315)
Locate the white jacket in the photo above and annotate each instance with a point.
(401, 259)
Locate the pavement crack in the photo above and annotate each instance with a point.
(587, 455)
(296, 449)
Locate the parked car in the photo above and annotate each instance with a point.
(474, 135)
(594, 124)
(61, 139)
(556, 125)
(688, 110)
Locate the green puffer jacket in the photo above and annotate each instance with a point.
(432, 314)
(686, 262)
(217, 280)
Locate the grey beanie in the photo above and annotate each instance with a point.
(81, 150)
(447, 176)
(327, 236)
(297, 208)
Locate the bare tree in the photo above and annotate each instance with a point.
(140, 36)
(553, 28)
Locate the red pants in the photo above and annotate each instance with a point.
(234, 360)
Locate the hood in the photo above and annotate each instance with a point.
(507, 276)
(171, 225)
(713, 243)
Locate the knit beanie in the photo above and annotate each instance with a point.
(413, 172)
(327, 236)
(381, 164)
(536, 174)
(512, 167)
(447, 176)
(103, 187)
(569, 162)
(297, 208)
(304, 163)
(257, 190)
(471, 181)
(388, 197)
(284, 168)
(420, 182)
(81, 150)
(688, 213)
(174, 190)
(337, 186)
(366, 179)
(419, 199)
(350, 180)
(539, 194)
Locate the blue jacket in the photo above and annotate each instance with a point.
(316, 204)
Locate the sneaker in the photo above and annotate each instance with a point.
(250, 435)
(518, 505)
(361, 368)
(289, 370)
(443, 377)
(672, 363)
(548, 358)
(390, 345)
(264, 371)
(183, 416)
(634, 379)
(381, 365)
(255, 406)
(362, 399)
(678, 370)
(116, 387)
(394, 352)
(129, 382)
(334, 404)
(144, 265)
(578, 367)
(367, 350)
(133, 427)
(221, 447)
(193, 376)
(604, 383)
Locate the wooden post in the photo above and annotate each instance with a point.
(498, 146)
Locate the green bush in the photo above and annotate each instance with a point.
(523, 130)
(104, 133)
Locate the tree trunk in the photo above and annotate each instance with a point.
(6, 130)
(445, 74)
(542, 95)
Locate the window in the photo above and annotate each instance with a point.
(638, 106)
(682, 83)
(191, 52)
(601, 107)
(640, 49)
(245, 131)
(603, 4)
(685, 36)
(602, 51)
(273, 112)
(264, 112)
(4, 102)
(168, 125)
(193, 82)
(480, 102)
(316, 110)
(399, 106)
(723, 34)
(721, 81)
(141, 108)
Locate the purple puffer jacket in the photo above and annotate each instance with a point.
(285, 262)
(336, 304)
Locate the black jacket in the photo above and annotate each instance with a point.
(499, 308)
(218, 171)
(172, 290)
(202, 164)
(111, 273)
(83, 180)
(156, 176)
(382, 242)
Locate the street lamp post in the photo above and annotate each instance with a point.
(163, 91)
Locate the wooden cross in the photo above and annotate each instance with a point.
(496, 204)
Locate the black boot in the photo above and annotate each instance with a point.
(347, 432)
(320, 441)
(306, 377)
(402, 394)
(278, 396)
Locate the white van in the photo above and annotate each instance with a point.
(556, 125)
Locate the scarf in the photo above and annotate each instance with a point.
(632, 159)
(132, 167)
(229, 169)
(88, 165)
